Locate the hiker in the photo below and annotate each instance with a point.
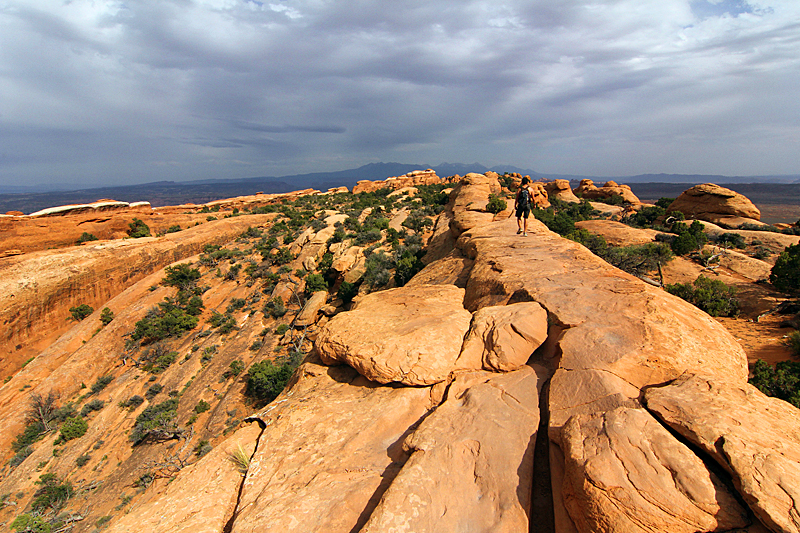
(522, 206)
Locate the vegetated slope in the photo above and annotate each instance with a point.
(252, 284)
(418, 430)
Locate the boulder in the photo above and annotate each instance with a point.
(713, 203)
(461, 476)
(503, 338)
(560, 190)
(755, 437)
(624, 473)
(414, 335)
(311, 310)
(539, 199)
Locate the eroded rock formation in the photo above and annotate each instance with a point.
(715, 204)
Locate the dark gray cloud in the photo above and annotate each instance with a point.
(108, 91)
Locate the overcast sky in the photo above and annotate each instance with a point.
(112, 92)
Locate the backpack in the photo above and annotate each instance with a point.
(524, 198)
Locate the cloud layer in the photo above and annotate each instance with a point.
(101, 92)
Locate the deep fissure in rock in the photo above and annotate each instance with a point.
(542, 515)
(229, 524)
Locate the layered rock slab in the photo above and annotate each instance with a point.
(207, 492)
(471, 464)
(624, 472)
(331, 446)
(410, 335)
(502, 338)
(753, 436)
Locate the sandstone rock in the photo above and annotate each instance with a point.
(755, 437)
(709, 202)
(626, 473)
(396, 223)
(560, 190)
(311, 310)
(617, 233)
(461, 476)
(318, 467)
(452, 269)
(414, 335)
(503, 338)
(469, 202)
(587, 189)
(207, 492)
(606, 209)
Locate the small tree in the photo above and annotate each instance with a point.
(137, 228)
(496, 204)
(785, 275)
(81, 311)
(106, 316)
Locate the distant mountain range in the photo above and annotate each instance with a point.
(30, 199)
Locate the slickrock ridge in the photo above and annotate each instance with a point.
(753, 436)
(715, 204)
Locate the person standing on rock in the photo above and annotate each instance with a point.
(522, 206)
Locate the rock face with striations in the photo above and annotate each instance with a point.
(715, 204)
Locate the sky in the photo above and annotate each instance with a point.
(97, 92)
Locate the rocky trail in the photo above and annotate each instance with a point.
(514, 384)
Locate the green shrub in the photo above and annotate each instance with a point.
(782, 381)
(645, 217)
(161, 363)
(689, 239)
(315, 283)
(407, 265)
(33, 432)
(83, 459)
(201, 407)
(86, 237)
(20, 456)
(785, 275)
(181, 276)
(26, 523)
(168, 320)
(275, 307)
(281, 329)
(638, 259)
(81, 311)
(101, 383)
(733, 239)
(173, 229)
(793, 342)
(235, 305)
(347, 291)
(133, 402)
(153, 391)
(266, 380)
(664, 202)
(156, 420)
(73, 428)
(235, 368)
(376, 270)
(93, 405)
(137, 228)
(106, 316)
(711, 295)
(496, 204)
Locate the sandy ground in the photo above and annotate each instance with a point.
(761, 340)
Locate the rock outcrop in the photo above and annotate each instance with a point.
(561, 190)
(411, 179)
(587, 189)
(715, 204)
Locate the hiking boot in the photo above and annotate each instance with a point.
(519, 231)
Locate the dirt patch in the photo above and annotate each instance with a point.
(764, 339)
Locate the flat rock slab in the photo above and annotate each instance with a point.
(311, 310)
(502, 338)
(331, 446)
(471, 467)
(410, 335)
(755, 437)
(624, 472)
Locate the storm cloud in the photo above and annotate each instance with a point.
(112, 92)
